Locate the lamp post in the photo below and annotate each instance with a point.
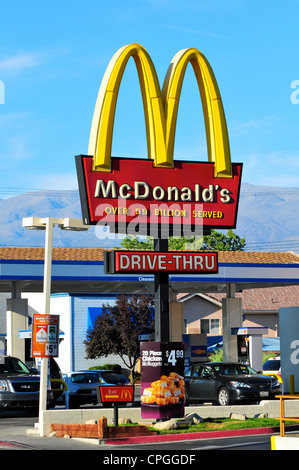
(47, 224)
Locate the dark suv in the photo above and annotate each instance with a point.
(19, 387)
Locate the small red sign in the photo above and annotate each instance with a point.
(115, 394)
(172, 261)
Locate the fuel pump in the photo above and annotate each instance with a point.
(243, 348)
(250, 345)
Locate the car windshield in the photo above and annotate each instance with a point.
(12, 365)
(114, 378)
(84, 378)
(234, 369)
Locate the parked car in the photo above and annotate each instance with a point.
(111, 377)
(81, 388)
(272, 365)
(225, 383)
(19, 387)
(82, 385)
(55, 373)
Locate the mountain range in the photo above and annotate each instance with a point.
(267, 218)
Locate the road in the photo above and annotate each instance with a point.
(13, 435)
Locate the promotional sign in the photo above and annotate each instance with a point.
(45, 335)
(169, 262)
(159, 192)
(117, 394)
(162, 380)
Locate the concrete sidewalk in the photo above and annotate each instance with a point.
(23, 438)
(20, 437)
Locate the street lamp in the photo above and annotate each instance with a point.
(47, 224)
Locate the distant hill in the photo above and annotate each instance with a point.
(268, 218)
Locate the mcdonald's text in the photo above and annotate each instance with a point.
(143, 190)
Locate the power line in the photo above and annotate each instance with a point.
(31, 191)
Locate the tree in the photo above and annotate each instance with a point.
(117, 328)
(132, 242)
(216, 241)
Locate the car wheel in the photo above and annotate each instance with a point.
(223, 397)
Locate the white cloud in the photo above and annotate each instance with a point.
(236, 129)
(20, 62)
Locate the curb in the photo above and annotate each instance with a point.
(194, 435)
(15, 445)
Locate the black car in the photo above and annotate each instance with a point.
(225, 383)
(19, 387)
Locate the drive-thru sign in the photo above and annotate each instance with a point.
(169, 262)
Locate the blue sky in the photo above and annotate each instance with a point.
(53, 56)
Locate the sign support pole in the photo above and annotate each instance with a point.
(161, 289)
(115, 413)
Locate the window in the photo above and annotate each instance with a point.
(210, 326)
(215, 327)
(205, 326)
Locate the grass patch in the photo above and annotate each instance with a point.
(224, 425)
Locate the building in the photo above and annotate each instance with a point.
(260, 308)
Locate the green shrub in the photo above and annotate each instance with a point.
(116, 367)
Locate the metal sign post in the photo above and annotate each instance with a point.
(161, 290)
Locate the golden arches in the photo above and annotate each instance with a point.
(160, 110)
(215, 122)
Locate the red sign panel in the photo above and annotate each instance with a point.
(172, 261)
(137, 193)
(111, 393)
(45, 335)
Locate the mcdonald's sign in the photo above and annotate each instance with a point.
(159, 191)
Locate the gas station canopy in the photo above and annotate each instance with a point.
(82, 270)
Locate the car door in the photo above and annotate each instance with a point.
(202, 384)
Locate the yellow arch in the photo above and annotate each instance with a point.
(100, 141)
(215, 122)
(160, 110)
